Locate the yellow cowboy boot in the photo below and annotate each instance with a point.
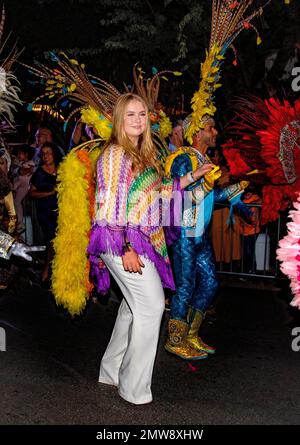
(195, 319)
(176, 343)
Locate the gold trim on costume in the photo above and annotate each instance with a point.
(6, 242)
(180, 151)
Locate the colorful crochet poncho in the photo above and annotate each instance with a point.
(130, 208)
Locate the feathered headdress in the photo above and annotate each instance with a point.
(228, 20)
(74, 89)
(9, 85)
(148, 89)
(264, 135)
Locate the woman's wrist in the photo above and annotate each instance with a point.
(127, 247)
(191, 178)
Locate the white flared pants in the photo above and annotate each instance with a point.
(129, 358)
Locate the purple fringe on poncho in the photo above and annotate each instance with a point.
(105, 239)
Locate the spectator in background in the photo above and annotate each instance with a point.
(21, 181)
(42, 189)
(43, 135)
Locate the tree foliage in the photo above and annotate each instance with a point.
(111, 35)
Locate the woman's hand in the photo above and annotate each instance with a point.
(132, 262)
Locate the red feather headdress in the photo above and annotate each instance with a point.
(264, 135)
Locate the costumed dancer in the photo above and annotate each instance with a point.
(9, 97)
(194, 265)
(8, 245)
(265, 138)
(263, 145)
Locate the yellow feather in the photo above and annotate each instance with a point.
(72, 237)
(72, 87)
(165, 125)
(101, 125)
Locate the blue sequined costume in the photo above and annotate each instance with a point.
(193, 256)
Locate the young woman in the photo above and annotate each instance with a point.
(128, 237)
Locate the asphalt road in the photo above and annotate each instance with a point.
(49, 371)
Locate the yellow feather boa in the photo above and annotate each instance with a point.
(70, 278)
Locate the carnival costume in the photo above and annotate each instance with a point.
(194, 264)
(6, 240)
(122, 209)
(129, 209)
(262, 146)
(74, 90)
(265, 138)
(9, 98)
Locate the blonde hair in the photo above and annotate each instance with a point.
(144, 155)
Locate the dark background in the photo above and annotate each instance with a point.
(110, 36)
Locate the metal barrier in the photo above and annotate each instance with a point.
(32, 233)
(244, 252)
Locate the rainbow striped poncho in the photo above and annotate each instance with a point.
(130, 208)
